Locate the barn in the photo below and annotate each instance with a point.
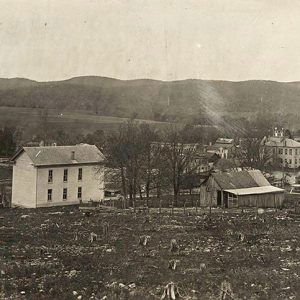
(245, 188)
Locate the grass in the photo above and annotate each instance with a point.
(41, 257)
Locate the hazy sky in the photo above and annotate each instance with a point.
(160, 39)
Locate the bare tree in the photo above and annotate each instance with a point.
(178, 159)
(151, 163)
(124, 152)
(253, 153)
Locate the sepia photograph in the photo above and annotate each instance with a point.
(149, 149)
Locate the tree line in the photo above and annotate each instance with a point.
(147, 162)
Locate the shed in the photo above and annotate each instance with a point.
(246, 188)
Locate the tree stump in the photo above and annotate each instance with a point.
(93, 237)
(174, 247)
(173, 264)
(170, 291)
(144, 239)
(226, 290)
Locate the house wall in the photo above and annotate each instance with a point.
(286, 156)
(24, 182)
(92, 185)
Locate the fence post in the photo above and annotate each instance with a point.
(160, 205)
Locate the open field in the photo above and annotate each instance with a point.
(41, 258)
(71, 121)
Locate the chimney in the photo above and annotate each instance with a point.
(73, 155)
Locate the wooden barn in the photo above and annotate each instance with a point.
(246, 188)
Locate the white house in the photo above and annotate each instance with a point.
(57, 175)
(285, 151)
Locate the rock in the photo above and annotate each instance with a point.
(22, 293)
(132, 286)
(72, 273)
(121, 285)
(75, 293)
(24, 216)
(79, 297)
(260, 211)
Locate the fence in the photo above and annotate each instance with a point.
(188, 200)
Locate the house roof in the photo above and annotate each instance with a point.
(255, 190)
(62, 155)
(240, 179)
(225, 141)
(282, 142)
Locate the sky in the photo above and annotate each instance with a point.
(158, 39)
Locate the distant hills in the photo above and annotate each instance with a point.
(153, 99)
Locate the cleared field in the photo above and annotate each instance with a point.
(78, 121)
(47, 254)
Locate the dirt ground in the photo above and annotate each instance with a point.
(47, 254)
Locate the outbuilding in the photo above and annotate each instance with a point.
(245, 188)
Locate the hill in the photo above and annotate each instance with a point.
(153, 99)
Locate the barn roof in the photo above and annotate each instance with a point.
(240, 179)
(62, 155)
(255, 190)
(259, 178)
(234, 180)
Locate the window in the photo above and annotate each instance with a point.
(49, 195)
(50, 176)
(79, 192)
(65, 175)
(280, 151)
(291, 151)
(290, 161)
(80, 174)
(296, 151)
(295, 161)
(286, 151)
(65, 194)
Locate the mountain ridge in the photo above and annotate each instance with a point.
(153, 99)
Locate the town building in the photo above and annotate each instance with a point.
(203, 162)
(285, 152)
(246, 188)
(224, 147)
(57, 175)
